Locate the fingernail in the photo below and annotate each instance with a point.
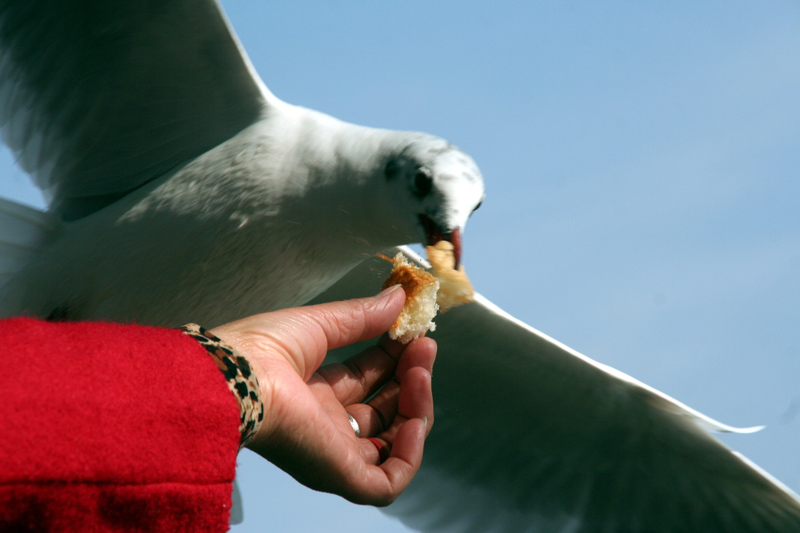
(425, 421)
(388, 291)
(383, 448)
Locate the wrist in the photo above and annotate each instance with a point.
(239, 376)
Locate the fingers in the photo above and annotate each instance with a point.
(303, 335)
(374, 450)
(419, 353)
(360, 376)
(384, 482)
(406, 456)
(316, 444)
(375, 417)
(399, 402)
(416, 399)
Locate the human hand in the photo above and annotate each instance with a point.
(306, 429)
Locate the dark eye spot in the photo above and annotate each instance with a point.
(392, 167)
(423, 183)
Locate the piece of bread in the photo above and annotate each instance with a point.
(454, 286)
(420, 287)
(427, 293)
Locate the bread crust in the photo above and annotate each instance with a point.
(420, 287)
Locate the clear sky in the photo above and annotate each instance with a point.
(641, 163)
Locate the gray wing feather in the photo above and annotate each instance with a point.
(100, 97)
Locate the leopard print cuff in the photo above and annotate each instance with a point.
(241, 380)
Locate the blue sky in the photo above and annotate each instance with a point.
(641, 164)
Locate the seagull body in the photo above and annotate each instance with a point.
(179, 178)
(235, 224)
(181, 189)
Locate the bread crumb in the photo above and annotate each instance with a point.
(454, 286)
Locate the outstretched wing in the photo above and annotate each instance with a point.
(101, 96)
(533, 436)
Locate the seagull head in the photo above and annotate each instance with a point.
(441, 185)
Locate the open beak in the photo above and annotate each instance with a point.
(435, 233)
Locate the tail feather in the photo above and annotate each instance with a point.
(23, 232)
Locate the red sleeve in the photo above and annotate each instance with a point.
(112, 427)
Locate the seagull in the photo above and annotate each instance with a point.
(181, 189)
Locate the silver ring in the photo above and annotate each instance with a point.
(354, 425)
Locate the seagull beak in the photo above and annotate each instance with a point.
(455, 239)
(434, 233)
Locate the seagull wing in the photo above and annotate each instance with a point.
(100, 97)
(533, 436)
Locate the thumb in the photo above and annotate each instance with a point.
(303, 335)
(349, 321)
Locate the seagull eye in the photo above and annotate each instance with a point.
(422, 183)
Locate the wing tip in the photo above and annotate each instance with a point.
(751, 429)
